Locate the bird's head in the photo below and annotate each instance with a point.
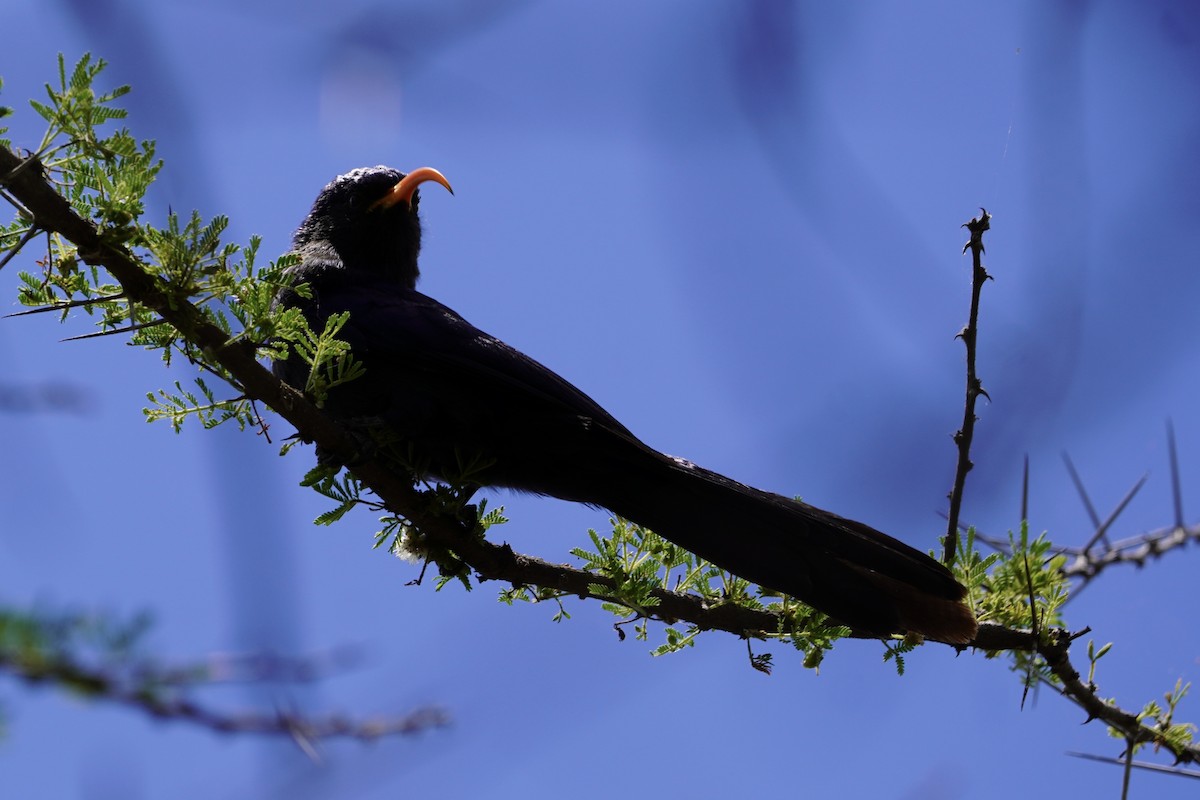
(368, 218)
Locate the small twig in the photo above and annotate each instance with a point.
(66, 306)
(264, 428)
(12, 251)
(130, 329)
(1128, 770)
(962, 438)
(1176, 494)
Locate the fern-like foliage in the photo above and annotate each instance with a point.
(105, 177)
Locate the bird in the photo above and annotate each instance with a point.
(455, 395)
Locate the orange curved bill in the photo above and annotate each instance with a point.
(403, 191)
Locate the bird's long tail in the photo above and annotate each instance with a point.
(854, 573)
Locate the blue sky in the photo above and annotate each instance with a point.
(736, 226)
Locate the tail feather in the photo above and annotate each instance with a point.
(854, 573)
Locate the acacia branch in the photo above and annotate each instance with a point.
(49, 211)
(1055, 651)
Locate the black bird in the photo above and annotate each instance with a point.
(454, 395)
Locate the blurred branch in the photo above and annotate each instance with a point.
(1088, 563)
(45, 397)
(105, 685)
(94, 657)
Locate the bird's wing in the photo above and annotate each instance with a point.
(393, 326)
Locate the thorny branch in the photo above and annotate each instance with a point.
(1089, 561)
(1136, 550)
(969, 335)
